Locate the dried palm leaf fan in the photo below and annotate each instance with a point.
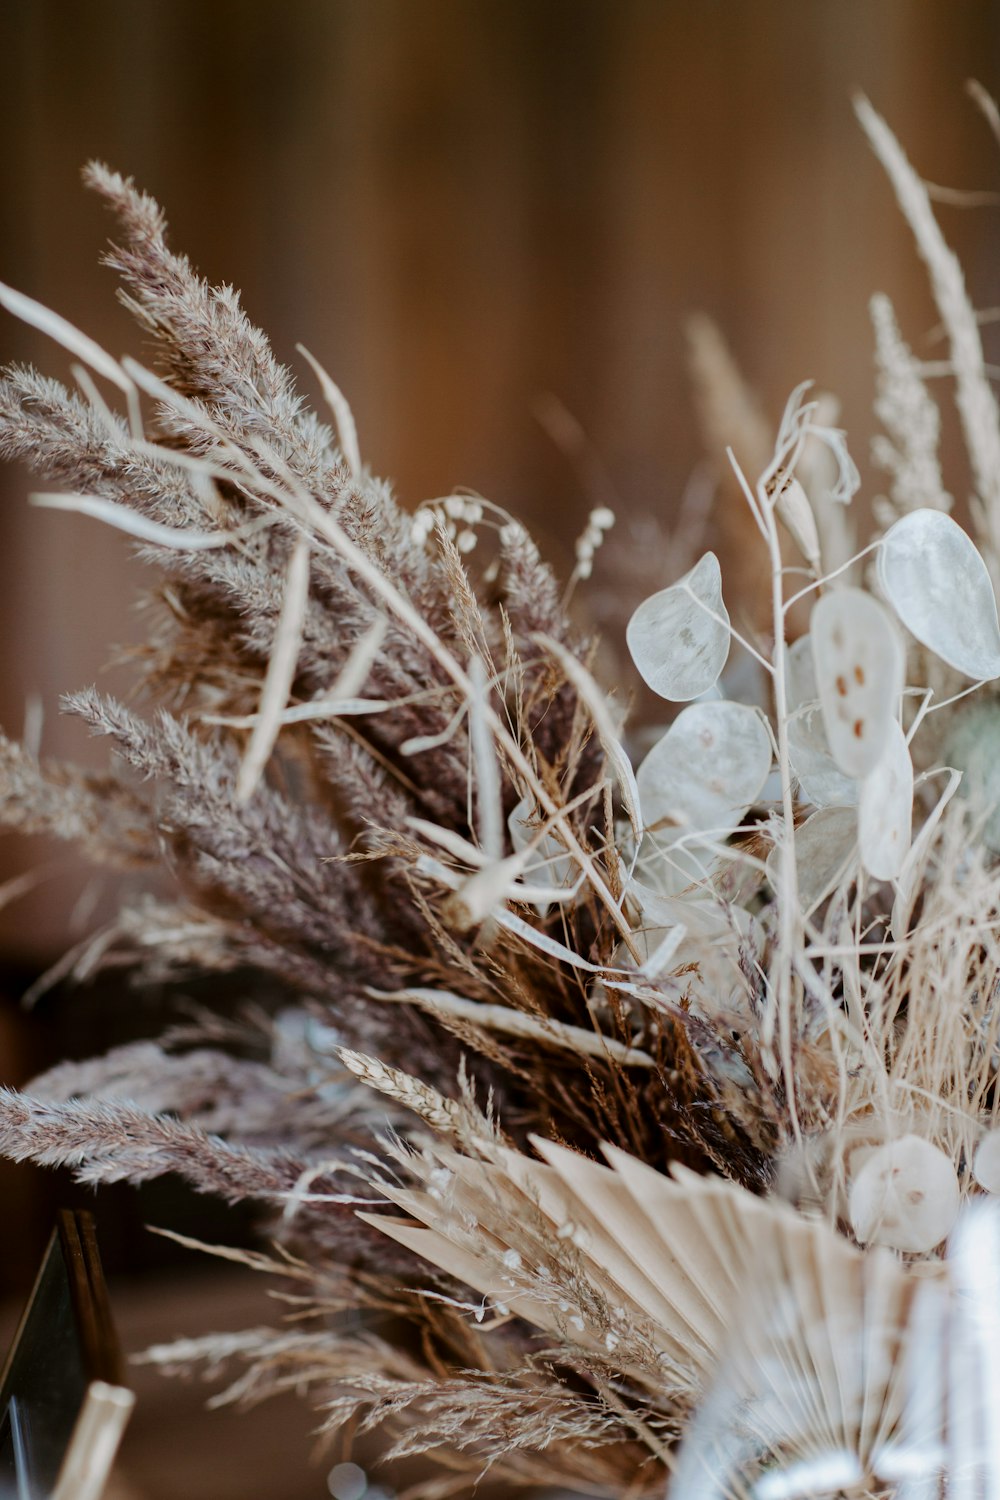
(618, 1128)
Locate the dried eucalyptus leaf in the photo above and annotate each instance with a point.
(885, 810)
(935, 579)
(679, 638)
(820, 780)
(707, 769)
(859, 662)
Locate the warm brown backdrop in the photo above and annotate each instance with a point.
(458, 205)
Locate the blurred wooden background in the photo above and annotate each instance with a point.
(458, 206)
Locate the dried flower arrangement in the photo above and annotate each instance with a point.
(614, 1124)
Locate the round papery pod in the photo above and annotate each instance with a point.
(800, 674)
(986, 1162)
(707, 770)
(679, 638)
(973, 747)
(826, 846)
(669, 868)
(548, 863)
(904, 1195)
(859, 660)
(937, 582)
(885, 811)
(820, 780)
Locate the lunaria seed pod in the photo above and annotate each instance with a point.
(986, 1163)
(904, 1195)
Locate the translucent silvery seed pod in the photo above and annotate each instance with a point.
(679, 638)
(821, 781)
(707, 770)
(905, 1195)
(885, 810)
(973, 747)
(935, 578)
(547, 863)
(858, 661)
(986, 1163)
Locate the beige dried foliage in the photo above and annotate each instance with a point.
(593, 1121)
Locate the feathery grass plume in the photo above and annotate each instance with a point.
(105, 816)
(606, 1047)
(977, 405)
(907, 450)
(730, 416)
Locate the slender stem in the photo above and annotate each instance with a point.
(783, 974)
(727, 624)
(819, 583)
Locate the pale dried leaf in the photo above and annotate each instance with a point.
(343, 417)
(133, 523)
(280, 671)
(63, 332)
